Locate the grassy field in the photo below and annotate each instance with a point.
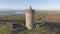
(41, 30)
(48, 17)
(48, 28)
(21, 17)
(5, 28)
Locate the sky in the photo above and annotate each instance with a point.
(36, 4)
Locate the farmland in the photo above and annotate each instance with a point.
(50, 19)
(53, 17)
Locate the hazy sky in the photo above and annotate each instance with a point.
(36, 4)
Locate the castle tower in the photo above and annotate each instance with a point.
(30, 18)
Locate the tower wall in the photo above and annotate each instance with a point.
(30, 18)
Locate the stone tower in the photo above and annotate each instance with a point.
(30, 13)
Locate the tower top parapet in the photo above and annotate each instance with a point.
(30, 8)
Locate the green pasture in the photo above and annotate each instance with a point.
(40, 30)
(5, 28)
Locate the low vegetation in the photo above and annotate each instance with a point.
(5, 28)
(21, 17)
(48, 28)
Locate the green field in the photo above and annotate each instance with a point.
(41, 30)
(21, 17)
(48, 28)
(5, 28)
